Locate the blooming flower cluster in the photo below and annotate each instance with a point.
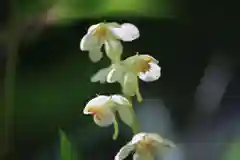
(126, 72)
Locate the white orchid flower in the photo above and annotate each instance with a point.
(144, 66)
(127, 72)
(145, 146)
(109, 35)
(103, 109)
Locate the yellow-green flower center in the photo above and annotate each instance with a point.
(143, 65)
(100, 32)
(145, 145)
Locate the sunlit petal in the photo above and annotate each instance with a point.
(153, 74)
(88, 41)
(160, 140)
(127, 32)
(100, 100)
(119, 99)
(101, 75)
(124, 151)
(138, 137)
(93, 27)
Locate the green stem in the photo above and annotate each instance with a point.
(116, 129)
(138, 94)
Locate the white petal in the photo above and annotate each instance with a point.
(160, 141)
(120, 100)
(113, 49)
(98, 101)
(93, 27)
(84, 42)
(138, 137)
(153, 74)
(88, 41)
(126, 115)
(115, 75)
(124, 152)
(127, 32)
(138, 156)
(101, 75)
(93, 45)
(130, 84)
(107, 118)
(95, 54)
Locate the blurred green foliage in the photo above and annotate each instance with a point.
(66, 148)
(233, 151)
(62, 11)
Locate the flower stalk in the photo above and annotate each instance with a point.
(127, 73)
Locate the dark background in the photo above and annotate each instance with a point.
(53, 76)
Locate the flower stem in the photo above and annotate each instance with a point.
(138, 94)
(116, 130)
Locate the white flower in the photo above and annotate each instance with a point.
(109, 35)
(145, 66)
(103, 109)
(145, 146)
(127, 72)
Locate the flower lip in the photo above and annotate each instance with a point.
(95, 112)
(90, 111)
(144, 67)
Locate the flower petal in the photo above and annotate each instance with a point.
(160, 140)
(101, 75)
(124, 151)
(126, 115)
(138, 137)
(95, 54)
(88, 41)
(111, 77)
(139, 156)
(129, 84)
(98, 101)
(113, 49)
(146, 57)
(153, 74)
(116, 74)
(93, 27)
(123, 108)
(119, 99)
(127, 32)
(106, 119)
(113, 24)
